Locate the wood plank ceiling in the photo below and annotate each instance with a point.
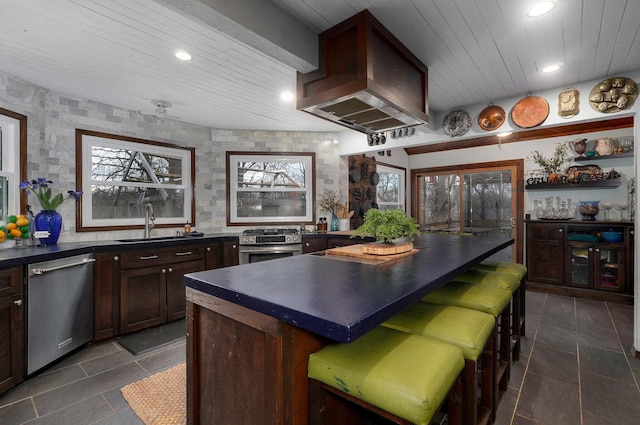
(120, 53)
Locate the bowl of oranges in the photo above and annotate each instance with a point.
(17, 227)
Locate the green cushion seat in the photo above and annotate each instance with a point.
(486, 298)
(516, 269)
(465, 328)
(404, 374)
(498, 279)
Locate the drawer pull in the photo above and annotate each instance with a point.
(182, 254)
(149, 257)
(18, 302)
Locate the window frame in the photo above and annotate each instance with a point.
(233, 157)
(14, 142)
(85, 139)
(402, 172)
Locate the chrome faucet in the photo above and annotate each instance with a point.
(149, 220)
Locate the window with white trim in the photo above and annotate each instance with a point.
(270, 188)
(391, 187)
(120, 176)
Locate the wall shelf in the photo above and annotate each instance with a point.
(597, 184)
(598, 158)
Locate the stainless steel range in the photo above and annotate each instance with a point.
(268, 244)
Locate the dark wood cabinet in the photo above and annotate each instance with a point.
(571, 257)
(230, 253)
(545, 247)
(213, 256)
(151, 285)
(106, 295)
(313, 244)
(12, 348)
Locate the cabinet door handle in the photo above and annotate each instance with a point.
(235, 246)
(306, 244)
(560, 230)
(149, 257)
(170, 269)
(116, 258)
(164, 270)
(18, 302)
(209, 249)
(182, 254)
(597, 249)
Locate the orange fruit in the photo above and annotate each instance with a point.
(22, 222)
(16, 233)
(11, 226)
(2, 235)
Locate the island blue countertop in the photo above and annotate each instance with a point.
(342, 300)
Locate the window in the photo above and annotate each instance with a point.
(267, 188)
(121, 175)
(391, 187)
(13, 141)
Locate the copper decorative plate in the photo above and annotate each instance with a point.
(530, 112)
(491, 117)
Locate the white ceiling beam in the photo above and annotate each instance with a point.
(257, 23)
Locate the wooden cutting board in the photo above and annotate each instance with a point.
(355, 251)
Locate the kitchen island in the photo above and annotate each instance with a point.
(251, 328)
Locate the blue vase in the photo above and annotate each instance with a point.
(49, 221)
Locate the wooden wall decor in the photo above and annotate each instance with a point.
(363, 179)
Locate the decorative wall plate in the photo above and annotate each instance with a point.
(530, 112)
(569, 103)
(613, 95)
(491, 117)
(456, 123)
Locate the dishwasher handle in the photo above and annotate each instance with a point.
(63, 266)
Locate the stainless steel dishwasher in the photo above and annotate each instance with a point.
(59, 308)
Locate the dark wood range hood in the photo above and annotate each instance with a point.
(367, 80)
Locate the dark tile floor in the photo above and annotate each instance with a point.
(577, 368)
(85, 387)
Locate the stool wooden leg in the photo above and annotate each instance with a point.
(488, 384)
(455, 402)
(505, 344)
(516, 313)
(470, 390)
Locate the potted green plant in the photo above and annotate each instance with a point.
(387, 226)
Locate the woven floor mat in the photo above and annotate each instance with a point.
(160, 399)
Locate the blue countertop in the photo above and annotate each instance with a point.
(342, 300)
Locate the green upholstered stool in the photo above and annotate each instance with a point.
(471, 330)
(503, 267)
(520, 304)
(488, 299)
(502, 280)
(403, 377)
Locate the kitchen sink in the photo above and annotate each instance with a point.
(156, 239)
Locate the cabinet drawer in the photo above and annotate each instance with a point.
(161, 256)
(10, 281)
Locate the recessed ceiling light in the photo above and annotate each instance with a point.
(286, 96)
(182, 55)
(551, 68)
(540, 8)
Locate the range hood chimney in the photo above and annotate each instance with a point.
(367, 80)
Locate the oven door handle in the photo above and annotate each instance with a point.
(273, 249)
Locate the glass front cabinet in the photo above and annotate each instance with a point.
(593, 259)
(596, 266)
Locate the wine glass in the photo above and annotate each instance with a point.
(622, 207)
(606, 206)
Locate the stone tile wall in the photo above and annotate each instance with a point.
(54, 117)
